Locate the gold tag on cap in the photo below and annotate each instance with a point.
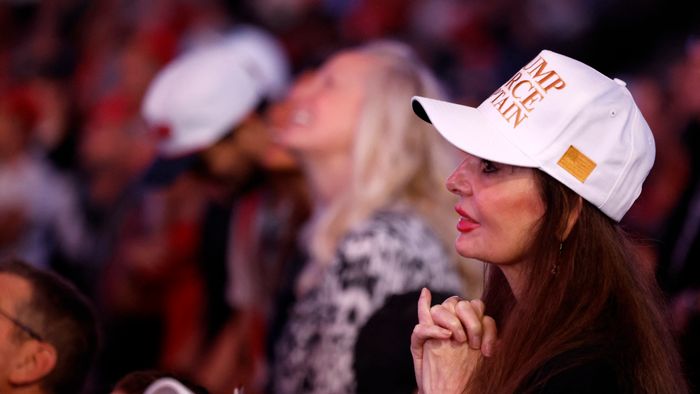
(577, 164)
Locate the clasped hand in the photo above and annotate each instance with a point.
(448, 342)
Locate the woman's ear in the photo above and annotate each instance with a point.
(574, 213)
(34, 361)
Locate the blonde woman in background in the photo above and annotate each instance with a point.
(380, 227)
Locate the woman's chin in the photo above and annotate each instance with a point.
(465, 247)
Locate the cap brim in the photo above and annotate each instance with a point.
(467, 129)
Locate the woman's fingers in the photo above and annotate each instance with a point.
(451, 302)
(479, 307)
(445, 318)
(465, 320)
(490, 336)
(470, 317)
(423, 332)
(424, 307)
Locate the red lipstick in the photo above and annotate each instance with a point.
(466, 223)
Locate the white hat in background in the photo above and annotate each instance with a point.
(262, 56)
(204, 93)
(167, 386)
(563, 117)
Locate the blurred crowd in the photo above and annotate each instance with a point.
(157, 261)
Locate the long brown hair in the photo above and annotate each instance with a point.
(589, 297)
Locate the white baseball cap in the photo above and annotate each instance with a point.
(167, 386)
(563, 117)
(262, 56)
(204, 93)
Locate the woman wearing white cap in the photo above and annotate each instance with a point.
(378, 228)
(554, 159)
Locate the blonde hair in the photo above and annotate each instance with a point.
(396, 158)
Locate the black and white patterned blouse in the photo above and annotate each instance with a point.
(392, 253)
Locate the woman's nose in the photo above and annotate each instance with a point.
(458, 182)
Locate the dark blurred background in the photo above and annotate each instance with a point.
(73, 74)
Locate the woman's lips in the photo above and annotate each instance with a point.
(466, 223)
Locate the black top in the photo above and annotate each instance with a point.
(594, 376)
(383, 362)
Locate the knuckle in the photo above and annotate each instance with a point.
(464, 306)
(475, 329)
(478, 306)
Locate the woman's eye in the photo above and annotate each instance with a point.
(488, 167)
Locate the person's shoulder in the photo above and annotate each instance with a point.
(398, 236)
(382, 362)
(403, 226)
(399, 246)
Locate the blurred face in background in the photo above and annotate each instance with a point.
(278, 117)
(15, 292)
(233, 159)
(326, 106)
